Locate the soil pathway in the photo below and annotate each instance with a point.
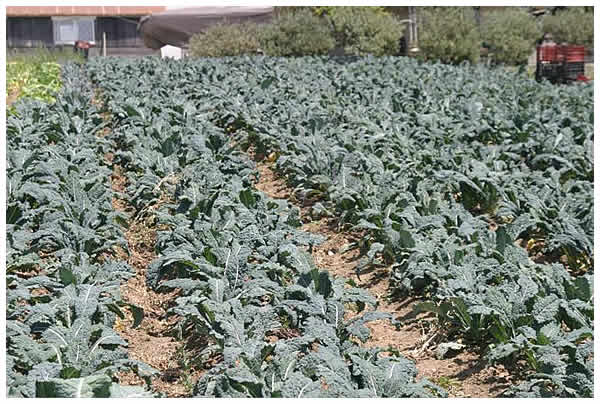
(464, 375)
(152, 341)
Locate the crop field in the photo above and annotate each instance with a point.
(302, 227)
(35, 75)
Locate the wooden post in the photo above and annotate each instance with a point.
(104, 44)
(416, 28)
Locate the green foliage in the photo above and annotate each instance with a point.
(435, 175)
(332, 10)
(573, 25)
(448, 382)
(448, 34)
(39, 81)
(282, 10)
(442, 170)
(36, 75)
(296, 33)
(63, 295)
(97, 386)
(365, 30)
(511, 35)
(249, 289)
(225, 40)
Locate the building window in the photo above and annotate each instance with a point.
(67, 30)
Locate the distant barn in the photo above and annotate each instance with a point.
(60, 26)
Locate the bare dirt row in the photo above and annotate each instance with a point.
(154, 340)
(463, 375)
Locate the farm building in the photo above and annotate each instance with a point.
(57, 26)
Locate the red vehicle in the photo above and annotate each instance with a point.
(559, 63)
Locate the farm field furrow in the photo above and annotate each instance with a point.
(461, 195)
(413, 334)
(151, 341)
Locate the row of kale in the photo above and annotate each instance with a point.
(62, 282)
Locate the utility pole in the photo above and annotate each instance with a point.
(413, 38)
(412, 43)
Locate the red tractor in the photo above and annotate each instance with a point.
(559, 63)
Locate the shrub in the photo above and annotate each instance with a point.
(511, 35)
(448, 34)
(365, 30)
(331, 10)
(282, 10)
(225, 40)
(296, 33)
(573, 25)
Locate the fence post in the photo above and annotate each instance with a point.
(104, 44)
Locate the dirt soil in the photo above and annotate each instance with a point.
(463, 375)
(152, 341)
(12, 97)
